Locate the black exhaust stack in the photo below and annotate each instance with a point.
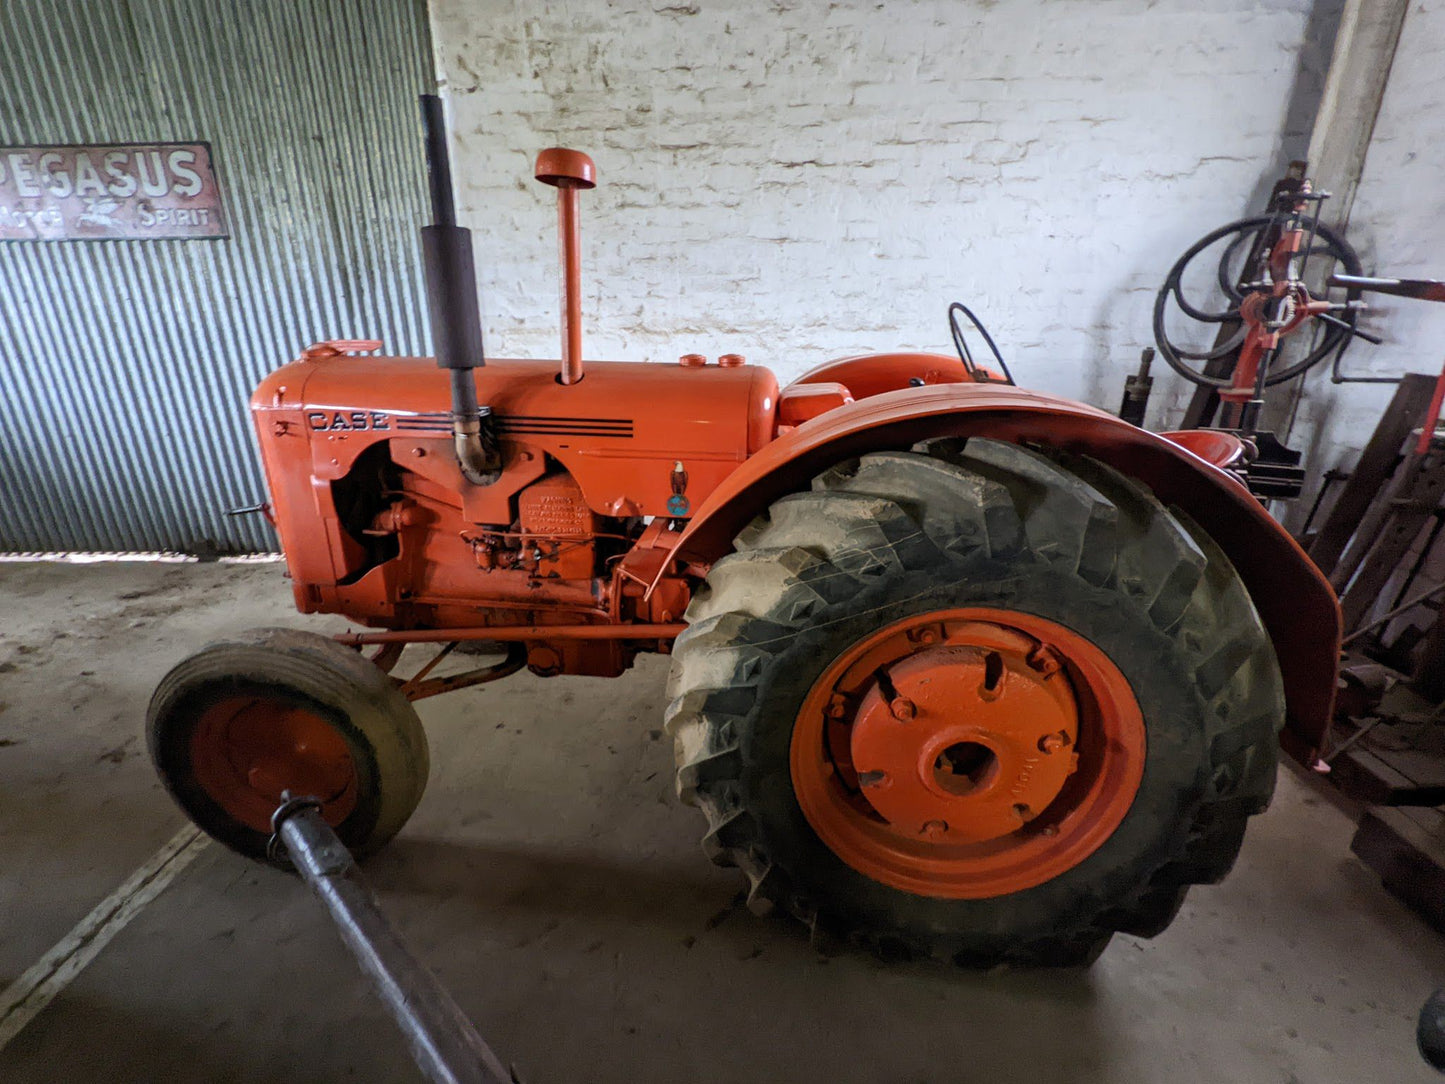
(451, 294)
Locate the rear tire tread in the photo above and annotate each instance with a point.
(930, 508)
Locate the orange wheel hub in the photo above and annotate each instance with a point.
(968, 753)
(246, 750)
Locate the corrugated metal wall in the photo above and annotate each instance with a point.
(125, 366)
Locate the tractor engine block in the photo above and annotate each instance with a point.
(555, 536)
(379, 523)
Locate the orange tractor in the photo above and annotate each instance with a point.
(958, 670)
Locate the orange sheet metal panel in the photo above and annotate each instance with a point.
(874, 374)
(620, 433)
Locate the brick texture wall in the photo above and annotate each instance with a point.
(800, 181)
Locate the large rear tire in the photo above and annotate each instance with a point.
(271, 710)
(975, 702)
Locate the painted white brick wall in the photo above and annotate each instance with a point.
(801, 181)
(1398, 227)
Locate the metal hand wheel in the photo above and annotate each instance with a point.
(1232, 280)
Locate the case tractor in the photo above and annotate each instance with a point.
(958, 669)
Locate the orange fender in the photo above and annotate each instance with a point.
(1222, 449)
(873, 374)
(1295, 601)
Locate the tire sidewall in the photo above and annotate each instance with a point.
(174, 728)
(379, 727)
(1174, 780)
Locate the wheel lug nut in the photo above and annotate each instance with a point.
(1043, 659)
(1052, 743)
(902, 708)
(837, 707)
(933, 828)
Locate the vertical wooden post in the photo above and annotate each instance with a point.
(1354, 88)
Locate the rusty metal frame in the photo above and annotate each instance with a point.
(419, 687)
(511, 634)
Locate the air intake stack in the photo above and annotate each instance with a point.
(569, 172)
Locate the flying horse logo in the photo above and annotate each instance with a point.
(100, 213)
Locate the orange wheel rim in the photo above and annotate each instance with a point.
(968, 753)
(246, 750)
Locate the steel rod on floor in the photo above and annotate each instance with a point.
(443, 1042)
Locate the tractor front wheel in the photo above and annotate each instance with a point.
(976, 702)
(241, 721)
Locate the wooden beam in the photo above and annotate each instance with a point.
(1355, 85)
(1406, 847)
(1350, 103)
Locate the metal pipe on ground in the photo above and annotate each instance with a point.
(444, 1044)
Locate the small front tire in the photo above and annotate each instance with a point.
(271, 710)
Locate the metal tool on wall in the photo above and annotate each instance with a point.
(1268, 298)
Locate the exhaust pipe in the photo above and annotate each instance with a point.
(569, 171)
(451, 294)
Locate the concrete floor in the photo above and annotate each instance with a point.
(556, 886)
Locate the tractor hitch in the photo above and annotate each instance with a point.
(444, 1044)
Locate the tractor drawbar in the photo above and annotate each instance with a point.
(456, 322)
(444, 1044)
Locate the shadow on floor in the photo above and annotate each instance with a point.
(507, 882)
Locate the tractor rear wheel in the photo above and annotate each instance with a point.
(271, 710)
(975, 702)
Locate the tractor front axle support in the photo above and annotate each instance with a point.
(508, 634)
